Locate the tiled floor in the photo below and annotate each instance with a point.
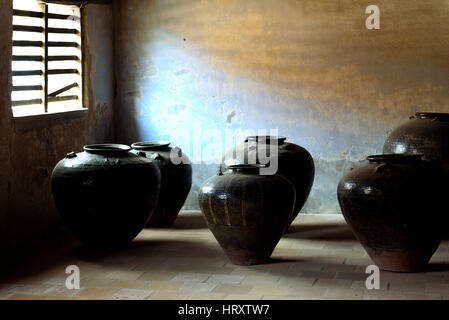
(317, 259)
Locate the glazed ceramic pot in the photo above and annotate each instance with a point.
(176, 179)
(294, 163)
(106, 194)
(247, 212)
(393, 205)
(426, 133)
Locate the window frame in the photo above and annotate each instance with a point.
(83, 98)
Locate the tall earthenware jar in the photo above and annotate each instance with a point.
(247, 212)
(106, 194)
(426, 133)
(176, 179)
(294, 163)
(393, 205)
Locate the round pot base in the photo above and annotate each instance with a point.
(401, 261)
(246, 257)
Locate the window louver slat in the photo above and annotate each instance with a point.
(63, 30)
(63, 44)
(26, 102)
(27, 73)
(30, 14)
(27, 58)
(62, 16)
(63, 58)
(63, 98)
(58, 92)
(28, 28)
(27, 88)
(27, 43)
(63, 71)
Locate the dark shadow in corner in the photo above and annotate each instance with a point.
(437, 267)
(324, 232)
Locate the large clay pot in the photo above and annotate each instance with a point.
(247, 212)
(393, 205)
(105, 194)
(426, 133)
(294, 163)
(176, 180)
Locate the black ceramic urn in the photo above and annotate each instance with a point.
(105, 194)
(294, 163)
(426, 133)
(393, 204)
(247, 212)
(176, 179)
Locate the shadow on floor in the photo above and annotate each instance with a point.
(187, 222)
(329, 232)
(146, 248)
(437, 267)
(138, 250)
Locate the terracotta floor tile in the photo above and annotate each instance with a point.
(296, 281)
(333, 283)
(97, 282)
(165, 285)
(159, 276)
(344, 293)
(225, 278)
(270, 290)
(134, 284)
(96, 292)
(233, 288)
(262, 279)
(243, 297)
(195, 287)
(307, 292)
(206, 296)
(27, 297)
(268, 297)
(131, 294)
(124, 275)
(191, 277)
(167, 296)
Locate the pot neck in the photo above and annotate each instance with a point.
(151, 145)
(247, 168)
(107, 149)
(266, 139)
(396, 158)
(443, 117)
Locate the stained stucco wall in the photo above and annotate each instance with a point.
(31, 147)
(308, 68)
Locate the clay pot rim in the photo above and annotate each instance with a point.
(253, 168)
(151, 145)
(280, 139)
(432, 115)
(107, 149)
(396, 157)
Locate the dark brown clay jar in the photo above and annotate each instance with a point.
(176, 180)
(393, 205)
(294, 163)
(247, 212)
(106, 194)
(426, 133)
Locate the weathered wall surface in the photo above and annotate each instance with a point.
(31, 147)
(191, 71)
